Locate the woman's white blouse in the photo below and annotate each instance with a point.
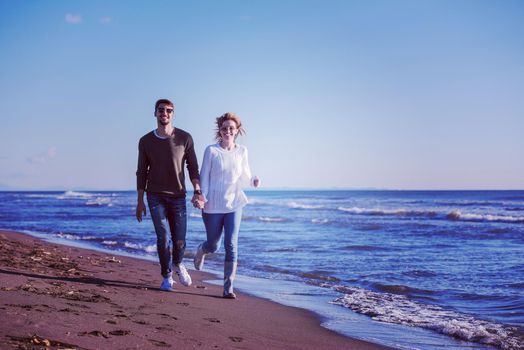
(223, 176)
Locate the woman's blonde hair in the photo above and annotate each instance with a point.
(228, 116)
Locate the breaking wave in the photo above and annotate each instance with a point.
(399, 309)
(73, 194)
(100, 201)
(399, 212)
(457, 215)
(296, 205)
(146, 248)
(454, 215)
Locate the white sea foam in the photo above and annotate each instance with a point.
(109, 242)
(100, 201)
(458, 215)
(378, 211)
(148, 249)
(68, 236)
(195, 215)
(132, 245)
(259, 201)
(296, 205)
(75, 237)
(399, 309)
(270, 219)
(319, 221)
(439, 214)
(73, 194)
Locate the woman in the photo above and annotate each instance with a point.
(225, 172)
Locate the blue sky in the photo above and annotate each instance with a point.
(347, 94)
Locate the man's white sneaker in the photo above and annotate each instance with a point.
(167, 284)
(198, 260)
(183, 275)
(171, 280)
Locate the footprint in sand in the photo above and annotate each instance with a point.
(141, 322)
(236, 339)
(120, 332)
(74, 312)
(22, 306)
(212, 319)
(159, 343)
(94, 333)
(79, 305)
(169, 316)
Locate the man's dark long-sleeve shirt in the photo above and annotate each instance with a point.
(161, 163)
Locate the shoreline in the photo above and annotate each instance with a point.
(58, 296)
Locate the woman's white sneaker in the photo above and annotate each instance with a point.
(198, 260)
(183, 275)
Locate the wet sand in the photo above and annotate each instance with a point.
(60, 297)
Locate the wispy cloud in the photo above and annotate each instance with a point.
(73, 19)
(42, 157)
(105, 20)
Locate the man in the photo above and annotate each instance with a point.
(162, 154)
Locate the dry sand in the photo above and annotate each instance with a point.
(61, 297)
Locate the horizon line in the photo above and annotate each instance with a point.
(275, 189)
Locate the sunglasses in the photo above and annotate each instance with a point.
(162, 110)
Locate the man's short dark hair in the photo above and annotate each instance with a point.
(164, 101)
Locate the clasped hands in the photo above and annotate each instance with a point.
(198, 201)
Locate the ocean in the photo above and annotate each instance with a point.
(408, 269)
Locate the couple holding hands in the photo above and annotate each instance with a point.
(218, 191)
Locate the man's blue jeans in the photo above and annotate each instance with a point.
(171, 244)
(215, 224)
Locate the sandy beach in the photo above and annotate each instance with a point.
(61, 297)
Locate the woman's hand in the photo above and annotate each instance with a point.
(198, 201)
(256, 182)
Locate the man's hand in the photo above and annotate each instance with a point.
(198, 201)
(140, 210)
